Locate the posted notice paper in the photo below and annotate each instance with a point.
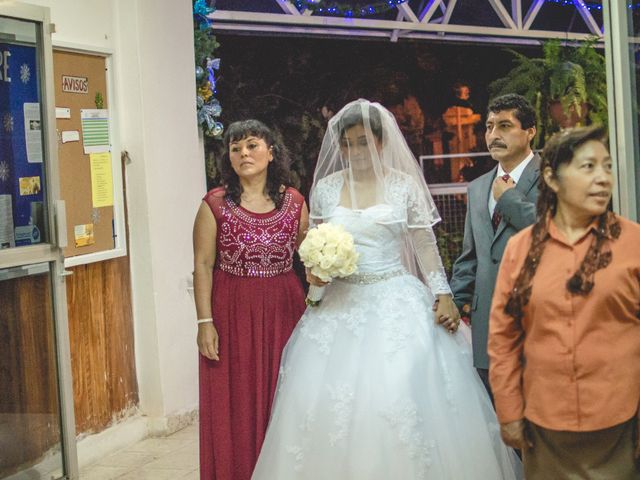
(84, 235)
(6, 222)
(95, 130)
(33, 132)
(101, 179)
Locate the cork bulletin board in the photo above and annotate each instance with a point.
(82, 123)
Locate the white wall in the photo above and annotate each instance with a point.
(70, 18)
(166, 181)
(152, 46)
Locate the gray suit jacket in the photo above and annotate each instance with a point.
(475, 271)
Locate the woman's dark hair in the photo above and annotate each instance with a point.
(560, 150)
(354, 116)
(524, 112)
(278, 174)
(457, 87)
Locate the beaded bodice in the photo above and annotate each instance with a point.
(255, 244)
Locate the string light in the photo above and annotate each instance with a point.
(591, 6)
(566, 3)
(347, 9)
(354, 9)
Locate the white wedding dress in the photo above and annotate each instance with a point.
(371, 388)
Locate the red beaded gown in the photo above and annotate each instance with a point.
(257, 300)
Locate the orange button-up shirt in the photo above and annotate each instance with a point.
(573, 362)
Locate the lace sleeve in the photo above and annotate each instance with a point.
(421, 214)
(325, 197)
(423, 242)
(421, 210)
(416, 207)
(411, 202)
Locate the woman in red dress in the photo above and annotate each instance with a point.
(248, 298)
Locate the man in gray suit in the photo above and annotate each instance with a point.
(499, 204)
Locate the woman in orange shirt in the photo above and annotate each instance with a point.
(564, 333)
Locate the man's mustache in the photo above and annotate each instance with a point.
(497, 144)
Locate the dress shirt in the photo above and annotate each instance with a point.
(515, 175)
(573, 362)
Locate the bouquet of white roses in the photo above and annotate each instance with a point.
(328, 252)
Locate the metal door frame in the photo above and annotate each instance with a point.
(621, 98)
(50, 252)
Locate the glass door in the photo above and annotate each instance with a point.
(37, 432)
(622, 45)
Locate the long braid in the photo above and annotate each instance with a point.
(521, 293)
(597, 257)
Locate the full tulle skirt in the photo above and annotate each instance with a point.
(371, 388)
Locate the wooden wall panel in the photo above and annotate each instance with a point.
(102, 344)
(102, 359)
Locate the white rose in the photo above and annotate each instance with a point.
(344, 249)
(303, 250)
(316, 242)
(330, 250)
(314, 257)
(321, 274)
(347, 270)
(327, 262)
(341, 257)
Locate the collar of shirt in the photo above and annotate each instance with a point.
(516, 173)
(556, 234)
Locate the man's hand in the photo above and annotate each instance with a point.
(500, 186)
(465, 315)
(514, 434)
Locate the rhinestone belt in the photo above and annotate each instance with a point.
(367, 278)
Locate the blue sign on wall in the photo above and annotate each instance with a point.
(22, 182)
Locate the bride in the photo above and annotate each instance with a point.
(372, 384)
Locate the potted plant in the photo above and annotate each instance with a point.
(566, 85)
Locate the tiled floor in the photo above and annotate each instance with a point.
(174, 457)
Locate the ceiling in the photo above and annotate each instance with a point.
(497, 21)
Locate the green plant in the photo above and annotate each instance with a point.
(573, 77)
(205, 44)
(449, 246)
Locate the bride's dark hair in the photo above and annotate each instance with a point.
(354, 116)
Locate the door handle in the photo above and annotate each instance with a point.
(61, 223)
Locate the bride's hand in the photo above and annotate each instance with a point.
(447, 313)
(313, 280)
